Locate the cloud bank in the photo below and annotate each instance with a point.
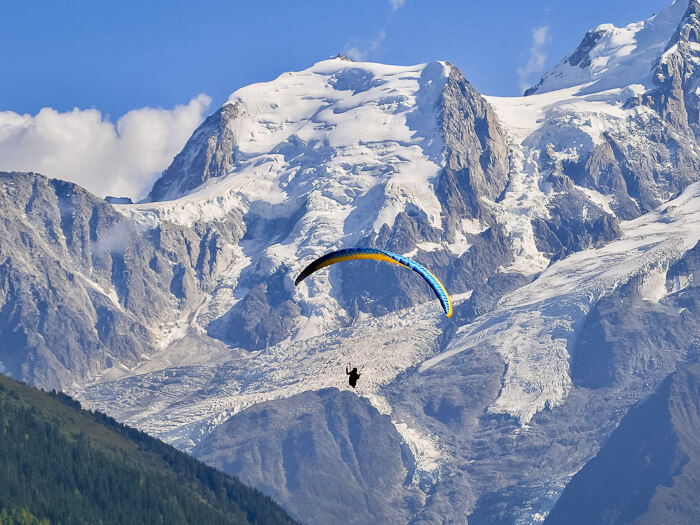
(84, 147)
(536, 57)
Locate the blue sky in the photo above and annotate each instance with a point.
(105, 93)
(117, 56)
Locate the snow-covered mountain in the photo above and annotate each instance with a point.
(612, 57)
(564, 223)
(342, 154)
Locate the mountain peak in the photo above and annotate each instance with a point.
(311, 111)
(610, 57)
(341, 56)
(582, 56)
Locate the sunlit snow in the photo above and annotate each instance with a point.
(622, 56)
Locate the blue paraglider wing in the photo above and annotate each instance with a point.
(349, 254)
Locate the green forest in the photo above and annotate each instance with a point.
(60, 464)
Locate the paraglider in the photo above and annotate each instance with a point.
(354, 376)
(349, 254)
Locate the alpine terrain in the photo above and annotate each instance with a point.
(564, 224)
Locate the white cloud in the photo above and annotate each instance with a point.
(364, 50)
(84, 147)
(536, 57)
(539, 35)
(396, 4)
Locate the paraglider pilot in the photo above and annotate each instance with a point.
(354, 376)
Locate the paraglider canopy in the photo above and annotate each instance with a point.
(349, 254)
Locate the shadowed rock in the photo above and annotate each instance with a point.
(327, 457)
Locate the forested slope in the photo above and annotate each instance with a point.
(62, 464)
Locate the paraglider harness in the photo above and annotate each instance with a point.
(354, 375)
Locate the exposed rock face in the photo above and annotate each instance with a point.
(118, 200)
(574, 223)
(648, 471)
(83, 288)
(60, 322)
(676, 75)
(580, 57)
(263, 318)
(674, 99)
(209, 153)
(476, 157)
(668, 166)
(606, 170)
(327, 456)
